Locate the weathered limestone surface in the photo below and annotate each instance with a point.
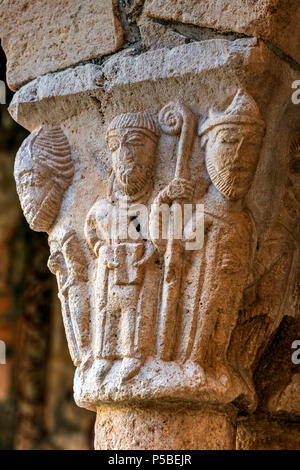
(53, 35)
(166, 332)
(266, 434)
(215, 62)
(287, 402)
(277, 377)
(274, 20)
(10, 273)
(170, 428)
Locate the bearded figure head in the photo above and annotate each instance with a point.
(132, 139)
(43, 172)
(232, 141)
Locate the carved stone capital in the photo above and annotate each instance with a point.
(116, 154)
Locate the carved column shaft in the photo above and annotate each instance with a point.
(173, 428)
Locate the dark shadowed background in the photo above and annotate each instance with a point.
(37, 410)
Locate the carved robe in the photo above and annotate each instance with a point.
(215, 278)
(127, 282)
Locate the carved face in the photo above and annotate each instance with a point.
(40, 197)
(133, 154)
(232, 154)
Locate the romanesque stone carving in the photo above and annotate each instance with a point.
(174, 119)
(151, 311)
(182, 320)
(43, 172)
(228, 139)
(68, 263)
(121, 312)
(214, 286)
(149, 321)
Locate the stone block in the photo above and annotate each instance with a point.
(40, 37)
(276, 21)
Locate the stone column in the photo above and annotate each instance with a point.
(172, 427)
(167, 178)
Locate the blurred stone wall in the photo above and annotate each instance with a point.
(37, 410)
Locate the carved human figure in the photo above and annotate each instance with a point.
(232, 142)
(272, 276)
(125, 291)
(68, 263)
(43, 172)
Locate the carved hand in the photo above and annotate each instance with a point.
(179, 188)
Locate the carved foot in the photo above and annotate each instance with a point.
(129, 368)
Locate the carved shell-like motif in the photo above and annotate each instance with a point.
(50, 148)
(43, 171)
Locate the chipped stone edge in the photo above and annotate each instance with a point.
(116, 71)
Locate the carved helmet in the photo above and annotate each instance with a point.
(242, 110)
